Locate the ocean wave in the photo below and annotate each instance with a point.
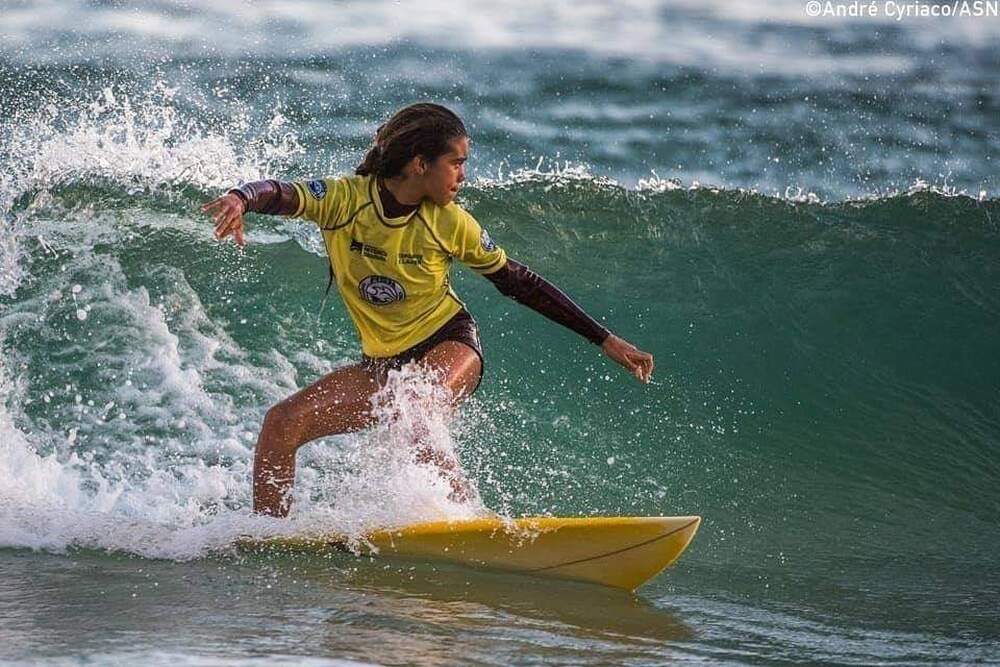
(773, 314)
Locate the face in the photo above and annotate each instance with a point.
(443, 177)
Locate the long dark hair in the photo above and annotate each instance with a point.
(423, 129)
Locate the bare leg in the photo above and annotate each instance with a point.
(338, 403)
(460, 369)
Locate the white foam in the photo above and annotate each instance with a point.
(140, 143)
(144, 142)
(375, 481)
(91, 475)
(547, 172)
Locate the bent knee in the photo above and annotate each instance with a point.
(296, 422)
(287, 419)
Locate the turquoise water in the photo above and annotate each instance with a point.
(798, 217)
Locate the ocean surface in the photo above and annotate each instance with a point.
(797, 216)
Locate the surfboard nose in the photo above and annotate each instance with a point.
(625, 552)
(687, 532)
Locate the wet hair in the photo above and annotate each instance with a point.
(423, 129)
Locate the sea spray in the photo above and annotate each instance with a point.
(374, 479)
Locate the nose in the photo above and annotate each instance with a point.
(461, 174)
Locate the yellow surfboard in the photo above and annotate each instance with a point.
(623, 552)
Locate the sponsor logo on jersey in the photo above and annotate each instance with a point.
(487, 242)
(407, 258)
(317, 188)
(366, 250)
(381, 291)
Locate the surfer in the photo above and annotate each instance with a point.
(391, 231)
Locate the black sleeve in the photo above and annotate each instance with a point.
(270, 196)
(525, 286)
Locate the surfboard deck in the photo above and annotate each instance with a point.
(623, 552)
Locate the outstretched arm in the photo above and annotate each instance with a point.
(525, 286)
(270, 196)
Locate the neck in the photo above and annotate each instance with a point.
(405, 191)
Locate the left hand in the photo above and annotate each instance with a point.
(638, 363)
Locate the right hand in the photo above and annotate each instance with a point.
(227, 212)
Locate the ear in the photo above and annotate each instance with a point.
(416, 166)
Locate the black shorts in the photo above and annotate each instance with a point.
(461, 327)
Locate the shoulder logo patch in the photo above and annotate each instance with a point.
(487, 242)
(381, 291)
(317, 188)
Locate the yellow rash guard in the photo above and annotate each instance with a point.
(393, 274)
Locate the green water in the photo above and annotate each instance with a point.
(824, 315)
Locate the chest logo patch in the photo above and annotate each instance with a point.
(487, 242)
(381, 291)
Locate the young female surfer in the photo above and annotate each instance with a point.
(391, 232)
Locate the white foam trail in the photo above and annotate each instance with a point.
(103, 481)
(158, 465)
(35, 490)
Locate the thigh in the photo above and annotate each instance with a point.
(459, 365)
(339, 402)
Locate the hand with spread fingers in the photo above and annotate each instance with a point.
(227, 213)
(637, 362)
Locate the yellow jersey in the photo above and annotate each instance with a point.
(393, 273)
